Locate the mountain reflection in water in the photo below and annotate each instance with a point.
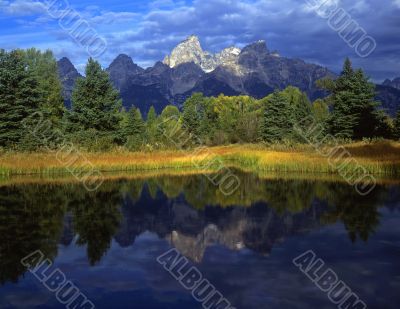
(188, 212)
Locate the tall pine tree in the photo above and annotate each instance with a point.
(300, 109)
(19, 99)
(133, 129)
(44, 66)
(354, 112)
(96, 105)
(278, 118)
(152, 131)
(134, 123)
(193, 113)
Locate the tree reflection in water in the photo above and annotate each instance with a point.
(187, 211)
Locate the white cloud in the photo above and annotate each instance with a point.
(114, 17)
(286, 25)
(23, 8)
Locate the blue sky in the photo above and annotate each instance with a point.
(148, 30)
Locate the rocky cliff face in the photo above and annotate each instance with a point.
(68, 75)
(122, 70)
(156, 86)
(249, 71)
(190, 50)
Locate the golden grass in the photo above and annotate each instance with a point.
(381, 158)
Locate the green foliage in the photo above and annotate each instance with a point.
(355, 112)
(132, 129)
(171, 129)
(237, 119)
(152, 135)
(299, 109)
(95, 106)
(222, 120)
(19, 99)
(278, 118)
(194, 114)
(136, 122)
(385, 125)
(298, 102)
(320, 113)
(397, 126)
(29, 83)
(44, 66)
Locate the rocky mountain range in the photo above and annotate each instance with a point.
(395, 83)
(253, 70)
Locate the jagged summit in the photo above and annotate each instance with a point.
(68, 75)
(395, 83)
(193, 38)
(259, 47)
(122, 70)
(123, 61)
(65, 65)
(190, 50)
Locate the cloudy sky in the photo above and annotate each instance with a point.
(148, 30)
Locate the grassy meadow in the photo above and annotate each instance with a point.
(379, 158)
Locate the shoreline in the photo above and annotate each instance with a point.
(68, 179)
(378, 159)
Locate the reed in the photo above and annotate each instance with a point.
(379, 158)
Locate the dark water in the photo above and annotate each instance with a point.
(107, 242)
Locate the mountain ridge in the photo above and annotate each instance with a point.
(68, 75)
(395, 83)
(252, 70)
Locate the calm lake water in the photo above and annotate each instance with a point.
(107, 242)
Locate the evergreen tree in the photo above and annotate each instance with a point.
(95, 106)
(355, 112)
(368, 118)
(132, 127)
(152, 130)
(343, 120)
(19, 99)
(278, 118)
(151, 116)
(132, 123)
(136, 122)
(300, 109)
(193, 113)
(123, 124)
(44, 67)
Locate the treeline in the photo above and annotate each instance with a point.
(29, 84)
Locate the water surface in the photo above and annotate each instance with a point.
(107, 242)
